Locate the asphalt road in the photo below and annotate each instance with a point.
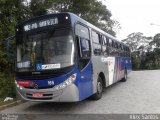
(140, 94)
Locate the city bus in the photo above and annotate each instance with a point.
(63, 58)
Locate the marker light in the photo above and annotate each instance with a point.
(66, 17)
(67, 82)
(22, 83)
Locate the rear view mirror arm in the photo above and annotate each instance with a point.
(8, 41)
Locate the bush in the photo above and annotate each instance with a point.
(7, 86)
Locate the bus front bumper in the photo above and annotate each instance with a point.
(67, 94)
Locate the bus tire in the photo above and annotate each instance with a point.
(124, 79)
(98, 94)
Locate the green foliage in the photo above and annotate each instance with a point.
(156, 40)
(145, 51)
(137, 41)
(38, 7)
(7, 23)
(135, 61)
(7, 85)
(11, 11)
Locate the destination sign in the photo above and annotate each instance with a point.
(40, 24)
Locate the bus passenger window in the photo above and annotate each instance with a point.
(96, 37)
(105, 50)
(110, 43)
(97, 49)
(103, 40)
(85, 48)
(107, 41)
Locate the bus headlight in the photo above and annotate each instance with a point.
(16, 84)
(67, 82)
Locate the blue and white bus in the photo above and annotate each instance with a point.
(63, 58)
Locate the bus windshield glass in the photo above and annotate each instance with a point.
(45, 51)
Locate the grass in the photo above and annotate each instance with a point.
(5, 103)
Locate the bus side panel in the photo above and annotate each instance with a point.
(123, 62)
(84, 82)
(118, 71)
(126, 64)
(100, 65)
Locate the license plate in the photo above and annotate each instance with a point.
(37, 95)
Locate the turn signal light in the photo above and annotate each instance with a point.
(23, 83)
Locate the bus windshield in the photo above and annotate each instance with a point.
(46, 50)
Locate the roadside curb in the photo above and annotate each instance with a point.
(10, 104)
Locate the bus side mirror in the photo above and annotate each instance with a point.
(8, 40)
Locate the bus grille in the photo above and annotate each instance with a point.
(49, 98)
(47, 87)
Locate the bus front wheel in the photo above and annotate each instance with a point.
(98, 94)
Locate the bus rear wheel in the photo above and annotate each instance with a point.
(98, 94)
(124, 79)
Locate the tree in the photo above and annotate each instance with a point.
(7, 23)
(156, 40)
(135, 61)
(137, 41)
(38, 7)
(145, 50)
(11, 13)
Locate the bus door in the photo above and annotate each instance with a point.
(84, 62)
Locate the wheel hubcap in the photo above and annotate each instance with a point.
(99, 87)
(125, 76)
